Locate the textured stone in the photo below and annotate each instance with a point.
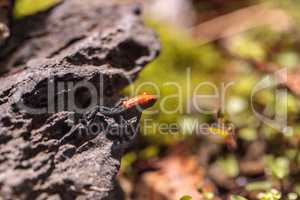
(75, 42)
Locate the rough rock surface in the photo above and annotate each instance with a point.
(91, 43)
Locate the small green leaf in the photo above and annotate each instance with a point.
(208, 195)
(297, 188)
(248, 134)
(288, 59)
(247, 47)
(272, 194)
(149, 152)
(186, 197)
(278, 167)
(259, 185)
(237, 197)
(127, 160)
(24, 8)
(229, 165)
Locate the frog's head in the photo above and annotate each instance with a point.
(141, 102)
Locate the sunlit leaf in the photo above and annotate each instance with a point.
(292, 196)
(297, 188)
(237, 197)
(208, 195)
(288, 60)
(247, 47)
(186, 197)
(229, 165)
(221, 132)
(259, 185)
(273, 194)
(278, 167)
(127, 160)
(28, 7)
(248, 134)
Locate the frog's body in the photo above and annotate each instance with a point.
(119, 122)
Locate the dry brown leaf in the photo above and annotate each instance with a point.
(241, 20)
(178, 175)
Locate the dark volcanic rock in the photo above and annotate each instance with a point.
(50, 33)
(88, 43)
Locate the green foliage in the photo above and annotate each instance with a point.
(129, 158)
(237, 197)
(259, 185)
(184, 62)
(248, 134)
(247, 47)
(277, 167)
(229, 165)
(127, 161)
(288, 59)
(273, 194)
(149, 152)
(297, 188)
(186, 197)
(292, 196)
(28, 7)
(208, 195)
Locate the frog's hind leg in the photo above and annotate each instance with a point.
(72, 132)
(120, 102)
